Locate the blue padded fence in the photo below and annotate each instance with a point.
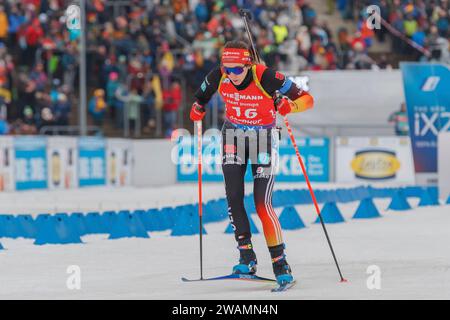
(183, 220)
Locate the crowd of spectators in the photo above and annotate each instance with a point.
(144, 58)
(32, 93)
(425, 22)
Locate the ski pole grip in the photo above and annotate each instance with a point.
(276, 97)
(245, 13)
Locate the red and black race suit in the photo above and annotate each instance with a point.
(249, 106)
(251, 102)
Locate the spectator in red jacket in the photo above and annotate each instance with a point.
(33, 34)
(172, 100)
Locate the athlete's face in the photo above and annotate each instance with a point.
(233, 71)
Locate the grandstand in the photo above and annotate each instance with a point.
(148, 59)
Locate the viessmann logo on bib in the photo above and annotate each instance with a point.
(375, 164)
(237, 96)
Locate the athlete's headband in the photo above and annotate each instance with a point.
(233, 55)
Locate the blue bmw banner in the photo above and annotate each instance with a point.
(427, 93)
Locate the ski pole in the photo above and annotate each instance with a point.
(200, 213)
(311, 191)
(245, 14)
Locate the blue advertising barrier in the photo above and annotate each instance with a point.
(330, 214)
(95, 224)
(78, 222)
(56, 230)
(290, 219)
(399, 201)
(434, 192)
(8, 226)
(26, 226)
(166, 217)
(229, 229)
(366, 210)
(30, 163)
(109, 218)
(187, 221)
(127, 225)
(428, 198)
(301, 197)
(217, 209)
(41, 219)
(64, 228)
(413, 191)
(282, 198)
(143, 217)
(150, 220)
(427, 96)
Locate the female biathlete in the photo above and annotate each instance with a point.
(252, 94)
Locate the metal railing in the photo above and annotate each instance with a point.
(69, 130)
(343, 129)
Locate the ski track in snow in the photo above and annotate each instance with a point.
(410, 248)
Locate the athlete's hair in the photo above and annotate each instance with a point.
(239, 44)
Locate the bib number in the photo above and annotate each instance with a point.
(248, 113)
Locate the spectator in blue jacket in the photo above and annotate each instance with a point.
(4, 127)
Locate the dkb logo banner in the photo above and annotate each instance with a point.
(91, 161)
(30, 163)
(315, 153)
(427, 93)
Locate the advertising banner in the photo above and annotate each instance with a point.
(30, 162)
(374, 159)
(62, 162)
(119, 162)
(211, 164)
(7, 164)
(427, 93)
(315, 153)
(91, 161)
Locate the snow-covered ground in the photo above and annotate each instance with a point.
(410, 248)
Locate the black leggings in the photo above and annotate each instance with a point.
(238, 146)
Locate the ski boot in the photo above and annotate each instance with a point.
(281, 268)
(247, 261)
